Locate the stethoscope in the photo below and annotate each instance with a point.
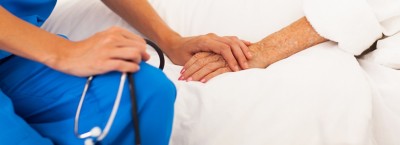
(96, 134)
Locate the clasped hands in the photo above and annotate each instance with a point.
(116, 49)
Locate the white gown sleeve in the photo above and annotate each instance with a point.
(354, 24)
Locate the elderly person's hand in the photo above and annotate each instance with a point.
(231, 48)
(203, 66)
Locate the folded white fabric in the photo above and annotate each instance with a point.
(388, 52)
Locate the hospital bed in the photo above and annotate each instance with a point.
(320, 96)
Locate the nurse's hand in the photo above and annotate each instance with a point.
(115, 49)
(231, 48)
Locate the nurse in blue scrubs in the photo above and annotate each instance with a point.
(39, 101)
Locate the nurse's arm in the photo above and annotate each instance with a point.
(114, 49)
(144, 18)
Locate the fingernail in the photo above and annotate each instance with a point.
(189, 79)
(181, 78)
(236, 68)
(246, 65)
(183, 70)
(203, 80)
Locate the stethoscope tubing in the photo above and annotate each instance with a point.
(134, 111)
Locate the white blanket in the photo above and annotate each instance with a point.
(320, 96)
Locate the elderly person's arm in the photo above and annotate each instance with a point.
(143, 17)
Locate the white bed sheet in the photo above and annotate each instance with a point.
(320, 96)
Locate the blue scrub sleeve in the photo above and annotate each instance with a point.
(34, 12)
(14, 130)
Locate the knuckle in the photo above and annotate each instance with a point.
(197, 56)
(110, 38)
(196, 65)
(220, 59)
(203, 42)
(229, 42)
(203, 37)
(99, 62)
(225, 48)
(194, 57)
(214, 65)
(141, 47)
(234, 37)
(118, 65)
(211, 34)
(114, 29)
(215, 57)
(202, 61)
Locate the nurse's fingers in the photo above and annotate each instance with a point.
(239, 49)
(129, 43)
(243, 46)
(236, 50)
(129, 54)
(121, 65)
(214, 43)
(134, 46)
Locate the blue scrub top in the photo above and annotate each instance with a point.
(32, 11)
